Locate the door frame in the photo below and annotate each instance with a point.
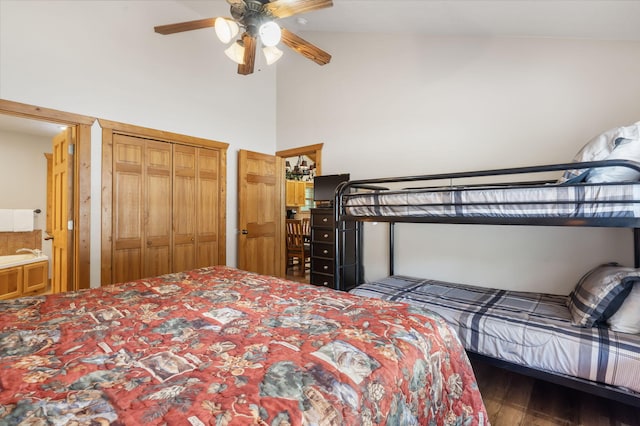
(109, 128)
(80, 275)
(314, 152)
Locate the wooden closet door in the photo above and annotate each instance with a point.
(208, 206)
(141, 208)
(196, 192)
(158, 206)
(184, 208)
(128, 207)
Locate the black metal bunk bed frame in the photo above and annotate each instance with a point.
(342, 219)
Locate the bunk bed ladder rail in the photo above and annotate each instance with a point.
(342, 226)
(341, 264)
(636, 247)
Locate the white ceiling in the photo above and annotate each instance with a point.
(15, 124)
(592, 19)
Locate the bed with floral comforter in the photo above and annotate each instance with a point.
(220, 346)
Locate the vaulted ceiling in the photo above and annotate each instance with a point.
(592, 19)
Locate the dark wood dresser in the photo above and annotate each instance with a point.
(323, 269)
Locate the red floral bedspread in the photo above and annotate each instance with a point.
(221, 346)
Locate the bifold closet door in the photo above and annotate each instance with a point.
(184, 207)
(196, 191)
(142, 204)
(207, 207)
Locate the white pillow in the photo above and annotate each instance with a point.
(626, 149)
(627, 317)
(600, 147)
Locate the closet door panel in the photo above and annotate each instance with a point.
(158, 206)
(128, 154)
(127, 265)
(184, 208)
(207, 207)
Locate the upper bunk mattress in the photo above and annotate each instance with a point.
(542, 201)
(530, 329)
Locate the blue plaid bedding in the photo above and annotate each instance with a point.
(531, 329)
(564, 201)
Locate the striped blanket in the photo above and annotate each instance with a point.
(565, 201)
(531, 329)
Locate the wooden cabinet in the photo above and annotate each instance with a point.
(10, 282)
(165, 207)
(24, 280)
(35, 277)
(323, 233)
(295, 193)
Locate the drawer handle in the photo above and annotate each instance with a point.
(325, 251)
(324, 219)
(325, 267)
(325, 283)
(326, 235)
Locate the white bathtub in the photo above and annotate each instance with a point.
(20, 259)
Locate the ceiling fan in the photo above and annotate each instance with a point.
(257, 19)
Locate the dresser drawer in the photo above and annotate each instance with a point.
(323, 266)
(322, 219)
(322, 250)
(319, 235)
(322, 280)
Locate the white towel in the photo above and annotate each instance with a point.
(23, 220)
(6, 220)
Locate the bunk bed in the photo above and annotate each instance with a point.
(535, 320)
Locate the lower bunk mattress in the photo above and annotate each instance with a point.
(530, 329)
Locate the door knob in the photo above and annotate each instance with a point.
(245, 232)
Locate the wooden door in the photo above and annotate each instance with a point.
(142, 201)
(62, 197)
(127, 208)
(209, 204)
(184, 207)
(196, 194)
(157, 209)
(261, 213)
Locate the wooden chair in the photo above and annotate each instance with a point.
(297, 249)
(306, 229)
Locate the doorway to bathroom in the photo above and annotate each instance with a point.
(70, 182)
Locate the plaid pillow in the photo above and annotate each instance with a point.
(599, 293)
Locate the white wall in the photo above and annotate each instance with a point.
(103, 59)
(399, 104)
(23, 176)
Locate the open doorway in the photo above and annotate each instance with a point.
(300, 166)
(76, 261)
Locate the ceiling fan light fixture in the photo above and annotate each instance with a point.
(270, 33)
(235, 52)
(226, 29)
(272, 54)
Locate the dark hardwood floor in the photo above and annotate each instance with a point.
(293, 274)
(512, 399)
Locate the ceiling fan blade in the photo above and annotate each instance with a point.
(185, 26)
(305, 48)
(285, 8)
(249, 54)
